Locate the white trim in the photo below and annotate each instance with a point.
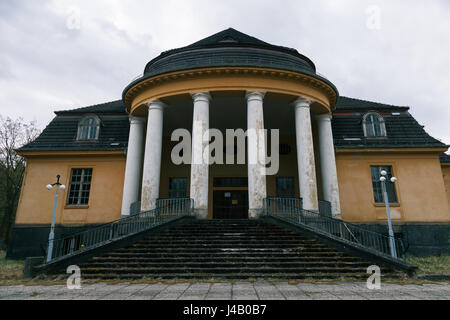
(97, 126)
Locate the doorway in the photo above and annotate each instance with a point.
(230, 204)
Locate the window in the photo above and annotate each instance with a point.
(88, 128)
(376, 183)
(285, 149)
(373, 125)
(231, 182)
(177, 187)
(80, 187)
(285, 187)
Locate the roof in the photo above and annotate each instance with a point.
(230, 48)
(445, 158)
(61, 133)
(346, 103)
(116, 106)
(229, 35)
(234, 38)
(403, 131)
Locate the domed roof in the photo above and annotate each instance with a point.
(230, 48)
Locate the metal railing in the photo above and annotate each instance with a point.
(281, 205)
(174, 206)
(166, 210)
(334, 228)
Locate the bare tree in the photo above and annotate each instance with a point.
(14, 133)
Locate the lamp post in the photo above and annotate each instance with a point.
(383, 179)
(51, 236)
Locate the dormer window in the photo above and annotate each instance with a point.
(373, 125)
(89, 128)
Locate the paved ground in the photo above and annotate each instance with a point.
(230, 291)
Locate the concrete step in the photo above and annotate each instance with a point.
(224, 264)
(237, 249)
(213, 270)
(237, 259)
(240, 276)
(228, 254)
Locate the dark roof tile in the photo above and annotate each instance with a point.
(108, 107)
(346, 103)
(403, 131)
(61, 134)
(445, 158)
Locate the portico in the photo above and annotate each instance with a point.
(295, 119)
(231, 81)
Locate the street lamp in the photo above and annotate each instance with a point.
(51, 236)
(383, 179)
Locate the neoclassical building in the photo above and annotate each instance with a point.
(116, 158)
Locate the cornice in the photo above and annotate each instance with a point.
(154, 81)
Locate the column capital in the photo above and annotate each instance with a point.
(324, 117)
(254, 95)
(137, 120)
(156, 104)
(303, 103)
(201, 96)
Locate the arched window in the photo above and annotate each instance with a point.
(373, 125)
(88, 128)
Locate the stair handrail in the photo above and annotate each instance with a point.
(76, 243)
(351, 233)
(333, 227)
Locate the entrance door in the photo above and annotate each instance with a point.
(230, 204)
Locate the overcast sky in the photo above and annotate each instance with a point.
(58, 54)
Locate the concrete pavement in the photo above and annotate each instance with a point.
(244, 290)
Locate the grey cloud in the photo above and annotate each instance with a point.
(406, 62)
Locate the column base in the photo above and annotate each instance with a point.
(255, 213)
(201, 214)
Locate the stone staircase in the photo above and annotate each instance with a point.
(227, 249)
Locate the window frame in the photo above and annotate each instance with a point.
(80, 191)
(89, 128)
(381, 122)
(293, 187)
(393, 186)
(170, 190)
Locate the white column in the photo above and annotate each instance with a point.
(200, 167)
(305, 154)
(328, 163)
(152, 158)
(133, 168)
(256, 153)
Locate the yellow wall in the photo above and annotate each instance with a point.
(36, 202)
(422, 194)
(446, 174)
(420, 187)
(230, 79)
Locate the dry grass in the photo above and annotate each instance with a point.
(432, 265)
(10, 270)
